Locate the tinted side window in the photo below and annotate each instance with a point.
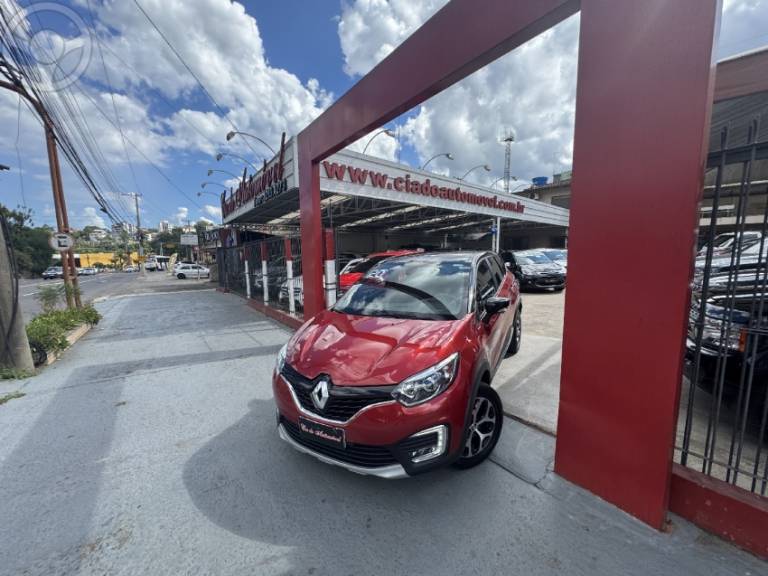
(497, 269)
(486, 286)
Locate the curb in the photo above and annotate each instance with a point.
(72, 337)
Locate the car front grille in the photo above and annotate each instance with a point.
(356, 454)
(343, 402)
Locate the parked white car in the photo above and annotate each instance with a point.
(183, 271)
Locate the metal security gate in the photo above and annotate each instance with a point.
(262, 270)
(724, 404)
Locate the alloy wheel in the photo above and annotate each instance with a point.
(481, 428)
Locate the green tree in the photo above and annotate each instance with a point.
(30, 244)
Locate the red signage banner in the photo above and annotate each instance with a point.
(382, 180)
(267, 182)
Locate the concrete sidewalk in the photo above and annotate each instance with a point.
(529, 382)
(150, 448)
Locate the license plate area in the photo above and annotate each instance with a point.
(329, 435)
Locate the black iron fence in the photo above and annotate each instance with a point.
(724, 405)
(267, 270)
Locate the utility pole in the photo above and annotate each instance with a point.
(14, 346)
(62, 219)
(138, 231)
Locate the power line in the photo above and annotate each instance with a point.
(205, 90)
(159, 93)
(112, 96)
(155, 166)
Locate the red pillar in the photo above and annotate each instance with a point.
(311, 229)
(642, 114)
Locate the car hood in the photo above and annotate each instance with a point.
(369, 351)
(539, 269)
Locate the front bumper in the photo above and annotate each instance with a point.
(383, 433)
(543, 282)
(390, 472)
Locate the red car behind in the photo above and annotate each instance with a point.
(353, 273)
(395, 378)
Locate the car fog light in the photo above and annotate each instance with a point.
(427, 444)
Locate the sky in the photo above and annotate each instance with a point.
(268, 67)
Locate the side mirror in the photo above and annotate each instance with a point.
(495, 304)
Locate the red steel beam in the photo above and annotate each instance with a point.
(461, 38)
(645, 85)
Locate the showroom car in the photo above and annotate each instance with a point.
(353, 272)
(191, 271)
(53, 272)
(731, 326)
(395, 379)
(558, 256)
(535, 271)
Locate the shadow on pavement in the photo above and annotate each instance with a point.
(49, 484)
(249, 482)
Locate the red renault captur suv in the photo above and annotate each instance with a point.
(395, 378)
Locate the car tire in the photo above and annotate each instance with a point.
(484, 428)
(517, 334)
(180, 276)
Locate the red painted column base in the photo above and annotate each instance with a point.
(732, 513)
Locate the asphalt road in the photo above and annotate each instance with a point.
(105, 285)
(150, 448)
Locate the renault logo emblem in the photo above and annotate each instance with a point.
(320, 394)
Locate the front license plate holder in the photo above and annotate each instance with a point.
(329, 435)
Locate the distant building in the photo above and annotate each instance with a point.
(120, 227)
(164, 226)
(97, 235)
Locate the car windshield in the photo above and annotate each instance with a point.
(427, 288)
(364, 265)
(556, 255)
(532, 258)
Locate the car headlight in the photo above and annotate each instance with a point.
(715, 330)
(428, 383)
(280, 361)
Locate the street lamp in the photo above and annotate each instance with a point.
(212, 170)
(446, 154)
(386, 131)
(234, 133)
(217, 184)
(4, 167)
(483, 166)
(200, 193)
(500, 179)
(221, 155)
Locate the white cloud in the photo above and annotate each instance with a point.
(91, 217)
(744, 26)
(221, 43)
(531, 89)
(182, 215)
(370, 29)
(379, 145)
(206, 220)
(211, 210)
(162, 109)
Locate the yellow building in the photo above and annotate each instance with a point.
(99, 258)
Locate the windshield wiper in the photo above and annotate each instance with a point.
(426, 297)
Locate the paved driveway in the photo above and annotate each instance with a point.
(150, 448)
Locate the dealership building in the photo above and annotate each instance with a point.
(373, 204)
